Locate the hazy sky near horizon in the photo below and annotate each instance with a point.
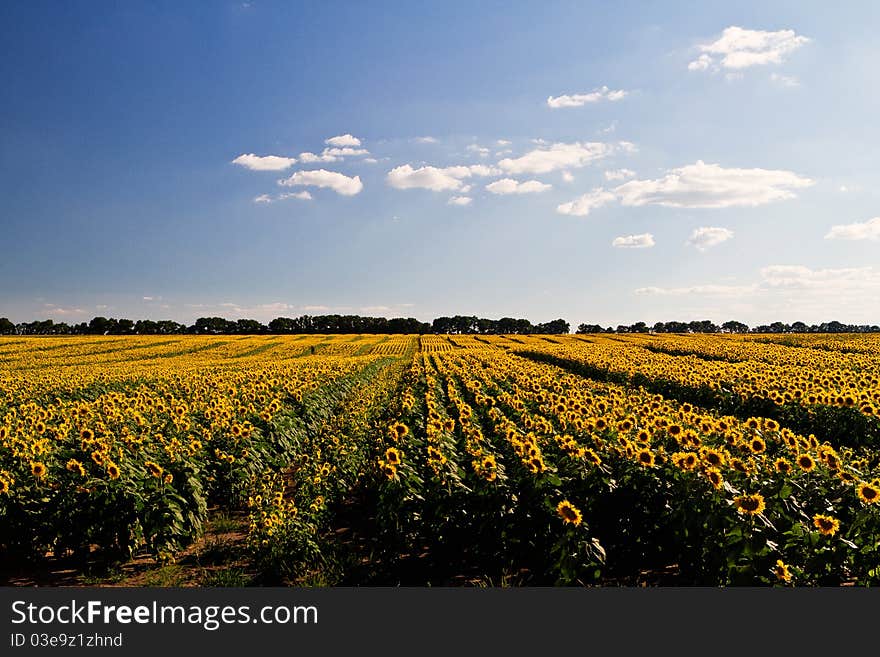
(601, 162)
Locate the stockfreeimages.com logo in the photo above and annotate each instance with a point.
(209, 617)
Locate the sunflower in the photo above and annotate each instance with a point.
(592, 457)
(86, 434)
(827, 525)
(868, 493)
(399, 429)
(389, 470)
(38, 469)
(782, 571)
(569, 513)
(750, 505)
(392, 456)
(112, 470)
(712, 457)
(715, 478)
(757, 445)
(449, 425)
(782, 466)
(806, 462)
(154, 468)
(4, 487)
(75, 466)
(645, 457)
(643, 436)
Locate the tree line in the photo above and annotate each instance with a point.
(459, 324)
(304, 324)
(707, 326)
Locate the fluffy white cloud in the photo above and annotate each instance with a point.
(567, 177)
(704, 185)
(482, 151)
(265, 162)
(303, 196)
(339, 183)
(579, 100)
(705, 237)
(435, 178)
(582, 206)
(619, 174)
(557, 156)
(503, 142)
(643, 241)
(739, 48)
(867, 230)
(343, 140)
(460, 200)
(332, 154)
(263, 198)
(511, 186)
(426, 140)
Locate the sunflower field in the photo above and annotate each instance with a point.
(452, 459)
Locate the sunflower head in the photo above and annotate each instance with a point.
(806, 462)
(750, 505)
(827, 525)
(569, 513)
(782, 571)
(868, 493)
(38, 469)
(715, 478)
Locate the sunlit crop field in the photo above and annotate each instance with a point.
(575, 459)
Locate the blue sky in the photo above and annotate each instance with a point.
(600, 162)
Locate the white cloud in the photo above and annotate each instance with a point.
(370, 160)
(333, 154)
(567, 177)
(785, 80)
(435, 178)
(265, 162)
(739, 48)
(706, 237)
(426, 140)
(314, 309)
(375, 309)
(263, 198)
(503, 142)
(701, 63)
(707, 290)
(460, 200)
(560, 156)
(482, 151)
(511, 186)
(867, 230)
(827, 282)
(579, 100)
(643, 241)
(343, 140)
(582, 206)
(303, 196)
(704, 185)
(619, 174)
(339, 183)
(149, 298)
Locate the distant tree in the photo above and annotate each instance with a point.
(734, 327)
(638, 327)
(6, 327)
(249, 327)
(589, 328)
(213, 325)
